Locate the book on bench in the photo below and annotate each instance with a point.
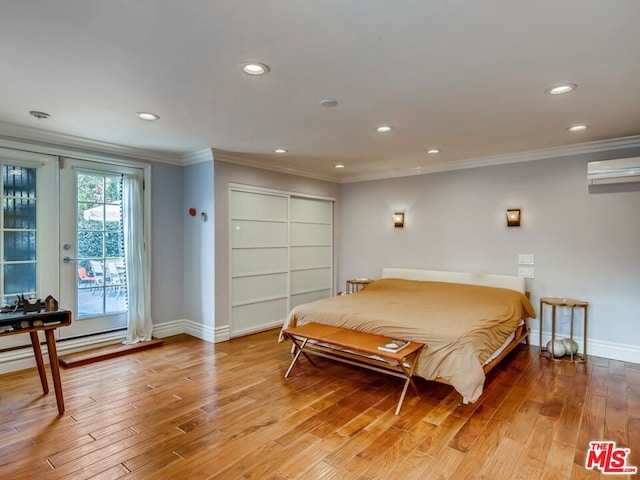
(393, 346)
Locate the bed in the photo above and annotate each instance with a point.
(468, 321)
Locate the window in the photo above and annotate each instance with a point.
(19, 232)
(101, 266)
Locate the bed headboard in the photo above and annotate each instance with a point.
(510, 282)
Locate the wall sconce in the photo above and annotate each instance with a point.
(513, 217)
(398, 219)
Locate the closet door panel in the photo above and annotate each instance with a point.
(258, 260)
(258, 206)
(251, 234)
(311, 234)
(305, 280)
(311, 210)
(310, 257)
(245, 318)
(259, 287)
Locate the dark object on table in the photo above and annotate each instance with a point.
(30, 305)
(50, 304)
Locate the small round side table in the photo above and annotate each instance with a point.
(356, 284)
(572, 303)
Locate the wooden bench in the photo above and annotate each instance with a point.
(355, 348)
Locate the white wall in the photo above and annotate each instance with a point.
(226, 173)
(166, 242)
(198, 246)
(586, 242)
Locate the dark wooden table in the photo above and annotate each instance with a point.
(32, 323)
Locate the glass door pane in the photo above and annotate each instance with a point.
(19, 257)
(101, 287)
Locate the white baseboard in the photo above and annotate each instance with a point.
(597, 348)
(195, 329)
(205, 332)
(168, 329)
(222, 334)
(198, 330)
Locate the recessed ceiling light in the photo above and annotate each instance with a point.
(255, 68)
(280, 150)
(577, 128)
(433, 151)
(338, 165)
(150, 117)
(328, 103)
(384, 128)
(39, 115)
(561, 89)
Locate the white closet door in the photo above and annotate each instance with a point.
(259, 261)
(311, 253)
(281, 256)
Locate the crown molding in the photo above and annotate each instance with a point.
(502, 159)
(200, 156)
(239, 159)
(54, 143)
(486, 161)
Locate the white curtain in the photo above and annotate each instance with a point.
(140, 326)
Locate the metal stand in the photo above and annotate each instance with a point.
(564, 302)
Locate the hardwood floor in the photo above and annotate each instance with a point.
(192, 410)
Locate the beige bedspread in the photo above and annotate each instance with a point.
(462, 325)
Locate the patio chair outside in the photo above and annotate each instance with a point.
(87, 280)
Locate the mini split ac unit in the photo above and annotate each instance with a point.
(621, 170)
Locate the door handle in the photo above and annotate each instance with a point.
(69, 259)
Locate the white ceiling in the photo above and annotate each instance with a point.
(465, 76)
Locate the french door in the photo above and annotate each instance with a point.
(92, 258)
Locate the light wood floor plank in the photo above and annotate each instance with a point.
(501, 464)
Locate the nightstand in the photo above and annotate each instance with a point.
(572, 303)
(356, 284)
